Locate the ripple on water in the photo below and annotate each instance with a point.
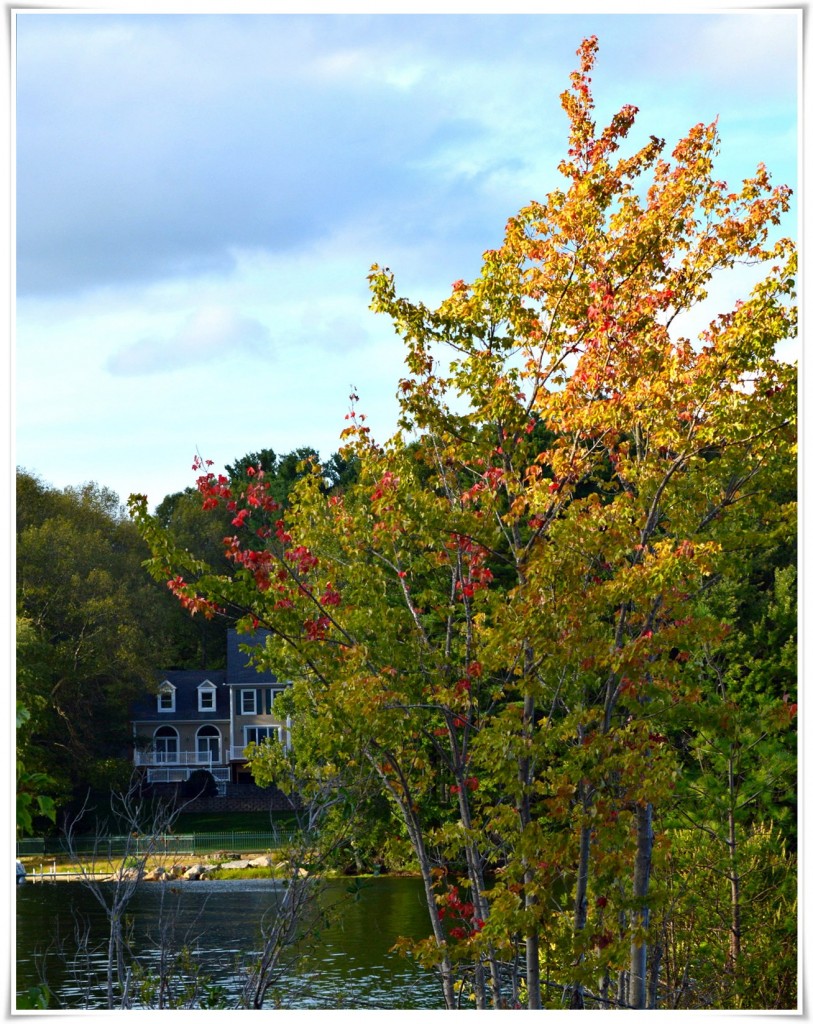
(350, 965)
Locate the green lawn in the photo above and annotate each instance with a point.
(233, 821)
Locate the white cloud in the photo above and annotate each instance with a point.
(341, 64)
(761, 44)
(212, 334)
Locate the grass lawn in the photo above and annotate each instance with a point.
(233, 821)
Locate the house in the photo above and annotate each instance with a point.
(206, 719)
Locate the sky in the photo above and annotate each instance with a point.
(200, 196)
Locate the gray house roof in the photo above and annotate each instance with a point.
(238, 672)
(186, 683)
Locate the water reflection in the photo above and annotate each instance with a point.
(347, 965)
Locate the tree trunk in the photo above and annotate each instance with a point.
(622, 989)
(604, 991)
(734, 875)
(532, 939)
(580, 900)
(475, 872)
(111, 955)
(445, 966)
(640, 914)
(403, 800)
(532, 958)
(654, 977)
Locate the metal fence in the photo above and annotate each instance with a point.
(201, 842)
(30, 847)
(242, 842)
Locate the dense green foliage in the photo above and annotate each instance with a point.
(90, 633)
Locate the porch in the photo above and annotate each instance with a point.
(164, 766)
(186, 758)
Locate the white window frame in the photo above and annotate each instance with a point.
(208, 736)
(161, 755)
(166, 688)
(269, 732)
(243, 695)
(275, 692)
(207, 689)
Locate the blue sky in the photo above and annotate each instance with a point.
(200, 197)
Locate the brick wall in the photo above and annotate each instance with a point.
(239, 797)
(246, 798)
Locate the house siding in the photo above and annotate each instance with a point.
(170, 762)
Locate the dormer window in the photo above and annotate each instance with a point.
(206, 696)
(166, 696)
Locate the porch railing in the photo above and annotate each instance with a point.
(177, 773)
(155, 758)
(239, 753)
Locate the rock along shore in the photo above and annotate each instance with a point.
(175, 872)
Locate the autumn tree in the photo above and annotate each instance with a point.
(510, 604)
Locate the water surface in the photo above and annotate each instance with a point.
(348, 964)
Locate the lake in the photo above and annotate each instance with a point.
(349, 966)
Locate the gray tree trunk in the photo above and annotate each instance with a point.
(580, 901)
(475, 871)
(654, 977)
(735, 947)
(531, 940)
(419, 848)
(640, 914)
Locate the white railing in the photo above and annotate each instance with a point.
(239, 753)
(171, 774)
(179, 774)
(187, 758)
(184, 757)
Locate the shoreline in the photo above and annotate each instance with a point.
(35, 878)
